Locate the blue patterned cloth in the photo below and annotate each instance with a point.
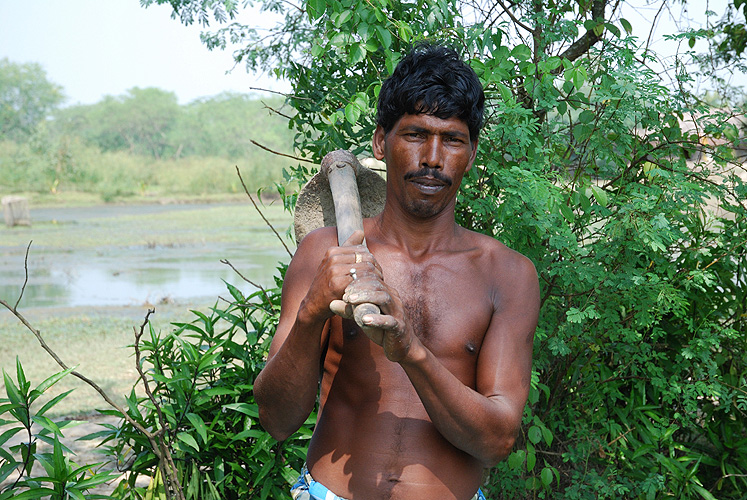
(308, 489)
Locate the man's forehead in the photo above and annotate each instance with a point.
(431, 122)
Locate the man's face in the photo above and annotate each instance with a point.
(426, 158)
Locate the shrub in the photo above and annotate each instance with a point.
(201, 375)
(62, 478)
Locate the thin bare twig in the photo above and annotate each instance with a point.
(255, 285)
(167, 465)
(256, 207)
(76, 374)
(297, 158)
(26, 279)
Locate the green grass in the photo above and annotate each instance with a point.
(220, 224)
(97, 339)
(84, 174)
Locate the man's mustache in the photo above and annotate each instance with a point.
(429, 172)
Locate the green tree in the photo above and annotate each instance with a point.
(225, 125)
(731, 32)
(626, 194)
(140, 121)
(26, 98)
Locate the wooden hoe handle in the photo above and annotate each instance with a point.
(341, 167)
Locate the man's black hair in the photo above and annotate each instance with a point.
(433, 80)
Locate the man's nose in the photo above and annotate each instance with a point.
(432, 153)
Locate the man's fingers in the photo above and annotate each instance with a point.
(341, 308)
(353, 295)
(380, 321)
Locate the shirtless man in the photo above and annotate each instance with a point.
(432, 393)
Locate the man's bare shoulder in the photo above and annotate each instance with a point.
(506, 267)
(318, 240)
(310, 252)
(315, 244)
(501, 255)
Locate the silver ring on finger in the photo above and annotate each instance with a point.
(352, 273)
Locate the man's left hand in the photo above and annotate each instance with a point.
(389, 329)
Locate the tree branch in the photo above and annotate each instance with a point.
(246, 190)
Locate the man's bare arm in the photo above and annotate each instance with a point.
(287, 387)
(481, 422)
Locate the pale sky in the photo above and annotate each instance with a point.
(94, 48)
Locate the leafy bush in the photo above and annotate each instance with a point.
(201, 376)
(62, 479)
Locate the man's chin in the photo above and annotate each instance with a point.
(423, 209)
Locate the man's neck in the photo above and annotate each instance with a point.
(415, 235)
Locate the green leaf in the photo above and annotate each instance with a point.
(506, 95)
(516, 459)
(567, 213)
(244, 408)
(9, 433)
(315, 9)
(521, 52)
(599, 194)
(385, 36)
(35, 493)
(535, 434)
(49, 404)
(405, 32)
(20, 376)
(579, 77)
(531, 457)
(352, 113)
(590, 24)
(547, 435)
(586, 116)
(613, 29)
(344, 16)
(199, 426)
(691, 42)
(235, 293)
(626, 26)
(704, 493)
(546, 477)
(357, 53)
(189, 440)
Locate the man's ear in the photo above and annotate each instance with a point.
(377, 144)
(472, 156)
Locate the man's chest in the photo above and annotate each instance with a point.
(447, 304)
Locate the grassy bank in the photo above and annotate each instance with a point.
(94, 340)
(72, 172)
(97, 338)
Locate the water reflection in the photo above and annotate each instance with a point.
(144, 276)
(134, 275)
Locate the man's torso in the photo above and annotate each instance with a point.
(373, 433)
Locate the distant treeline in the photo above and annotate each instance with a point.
(142, 143)
(150, 122)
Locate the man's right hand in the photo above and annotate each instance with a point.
(335, 272)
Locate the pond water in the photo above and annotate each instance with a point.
(169, 265)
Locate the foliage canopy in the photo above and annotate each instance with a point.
(26, 98)
(627, 194)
